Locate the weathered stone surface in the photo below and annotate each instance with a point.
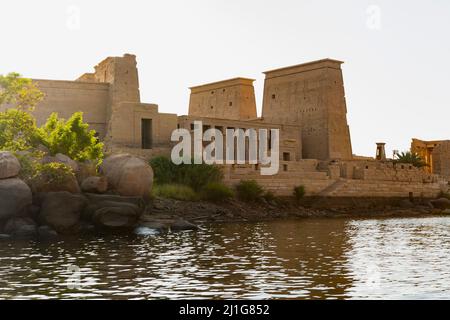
(15, 224)
(62, 210)
(9, 165)
(182, 224)
(441, 203)
(123, 216)
(45, 184)
(25, 231)
(92, 208)
(46, 232)
(95, 185)
(128, 175)
(15, 198)
(95, 198)
(61, 158)
(85, 170)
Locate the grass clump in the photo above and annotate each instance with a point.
(174, 191)
(196, 176)
(249, 190)
(299, 192)
(216, 192)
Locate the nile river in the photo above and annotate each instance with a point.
(295, 259)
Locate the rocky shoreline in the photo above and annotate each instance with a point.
(168, 210)
(116, 199)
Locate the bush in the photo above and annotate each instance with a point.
(54, 173)
(249, 190)
(216, 192)
(18, 131)
(29, 165)
(269, 196)
(444, 195)
(174, 191)
(299, 192)
(164, 171)
(72, 138)
(196, 176)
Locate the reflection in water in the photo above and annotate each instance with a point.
(311, 258)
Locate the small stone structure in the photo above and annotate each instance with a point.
(305, 102)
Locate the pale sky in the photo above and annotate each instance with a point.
(396, 53)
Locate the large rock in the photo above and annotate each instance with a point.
(128, 175)
(99, 198)
(62, 210)
(46, 182)
(9, 165)
(121, 216)
(85, 170)
(61, 158)
(21, 227)
(15, 223)
(441, 203)
(95, 185)
(15, 198)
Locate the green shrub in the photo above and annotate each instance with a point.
(249, 190)
(174, 191)
(54, 173)
(299, 192)
(72, 137)
(196, 176)
(269, 196)
(164, 171)
(29, 165)
(444, 195)
(216, 192)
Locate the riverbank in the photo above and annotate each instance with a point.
(168, 213)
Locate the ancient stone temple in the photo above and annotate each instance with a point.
(311, 95)
(436, 155)
(305, 102)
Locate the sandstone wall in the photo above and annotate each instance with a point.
(441, 159)
(68, 97)
(311, 95)
(229, 99)
(327, 180)
(125, 126)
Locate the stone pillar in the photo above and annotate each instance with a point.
(381, 152)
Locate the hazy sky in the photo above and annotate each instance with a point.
(396, 53)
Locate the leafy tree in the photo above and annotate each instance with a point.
(18, 131)
(20, 93)
(410, 158)
(72, 137)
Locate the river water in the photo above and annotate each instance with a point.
(294, 259)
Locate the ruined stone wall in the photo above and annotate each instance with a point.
(311, 95)
(229, 99)
(68, 97)
(329, 180)
(441, 159)
(125, 125)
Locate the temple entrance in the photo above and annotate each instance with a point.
(146, 133)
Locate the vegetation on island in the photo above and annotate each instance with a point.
(20, 134)
(193, 182)
(299, 193)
